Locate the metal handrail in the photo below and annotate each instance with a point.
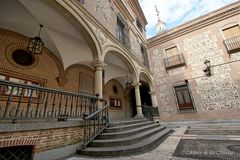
(123, 37)
(22, 101)
(95, 123)
(232, 44)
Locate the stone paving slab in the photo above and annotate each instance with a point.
(212, 132)
(208, 149)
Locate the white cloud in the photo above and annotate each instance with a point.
(176, 12)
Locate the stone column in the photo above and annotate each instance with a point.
(154, 99)
(138, 99)
(98, 81)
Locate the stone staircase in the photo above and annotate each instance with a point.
(127, 138)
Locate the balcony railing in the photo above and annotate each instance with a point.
(20, 101)
(95, 123)
(233, 44)
(174, 61)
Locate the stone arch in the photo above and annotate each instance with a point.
(77, 66)
(123, 56)
(75, 17)
(71, 32)
(147, 76)
(21, 43)
(116, 111)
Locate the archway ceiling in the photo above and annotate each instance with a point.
(58, 34)
(116, 69)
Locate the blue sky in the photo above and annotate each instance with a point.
(176, 12)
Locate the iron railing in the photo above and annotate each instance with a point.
(95, 123)
(150, 112)
(20, 101)
(123, 37)
(174, 61)
(233, 44)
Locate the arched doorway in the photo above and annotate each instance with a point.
(120, 68)
(67, 43)
(145, 96)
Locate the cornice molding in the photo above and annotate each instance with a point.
(135, 6)
(195, 24)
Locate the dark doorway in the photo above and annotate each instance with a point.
(133, 102)
(145, 97)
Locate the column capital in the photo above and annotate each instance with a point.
(98, 65)
(136, 84)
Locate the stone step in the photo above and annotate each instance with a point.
(128, 140)
(126, 133)
(122, 123)
(142, 146)
(127, 127)
(125, 119)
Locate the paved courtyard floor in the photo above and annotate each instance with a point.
(205, 142)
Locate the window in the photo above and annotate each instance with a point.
(114, 102)
(183, 97)
(232, 32)
(144, 56)
(173, 58)
(232, 38)
(23, 58)
(173, 51)
(121, 31)
(139, 25)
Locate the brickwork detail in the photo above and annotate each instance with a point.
(43, 140)
(18, 142)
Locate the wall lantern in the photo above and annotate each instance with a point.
(207, 70)
(35, 45)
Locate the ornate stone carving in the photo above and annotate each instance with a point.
(98, 65)
(102, 37)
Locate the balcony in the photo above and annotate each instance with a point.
(232, 45)
(174, 61)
